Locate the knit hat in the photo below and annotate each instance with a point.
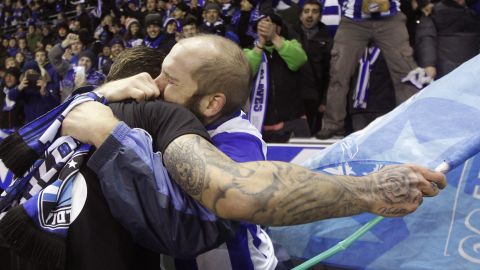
(129, 21)
(13, 71)
(212, 5)
(31, 65)
(153, 18)
(135, 2)
(170, 20)
(273, 16)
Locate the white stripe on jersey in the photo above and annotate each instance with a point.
(331, 18)
(239, 125)
(264, 250)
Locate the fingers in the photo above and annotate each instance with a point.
(427, 188)
(146, 84)
(138, 94)
(436, 177)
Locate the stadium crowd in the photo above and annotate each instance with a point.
(318, 68)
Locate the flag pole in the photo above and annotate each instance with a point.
(340, 246)
(347, 242)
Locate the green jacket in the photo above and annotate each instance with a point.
(291, 52)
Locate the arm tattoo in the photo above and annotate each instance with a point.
(394, 186)
(187, 167)
(270, 193)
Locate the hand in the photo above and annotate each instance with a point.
(399, 190)
(67, 55)
(431, 71)
(427, 9)
(138, 87)
(90, 122)
(245, 5)
(23, 84)
(69, 40)
(43, 86)
(266, 29)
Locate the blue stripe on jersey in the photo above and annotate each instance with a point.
(238, 250)
(228, 143)
(330, 10)
(357, 9)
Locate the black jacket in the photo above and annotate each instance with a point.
(449, 37)
(282, 105)
(314, 74)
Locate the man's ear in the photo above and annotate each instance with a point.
(214, 104)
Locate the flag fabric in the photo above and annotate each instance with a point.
(439, 126)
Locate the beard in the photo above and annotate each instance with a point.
(193, 105)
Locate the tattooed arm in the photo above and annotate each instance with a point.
(278, 193)
(269, 193)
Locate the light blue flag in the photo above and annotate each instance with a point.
(440, 126)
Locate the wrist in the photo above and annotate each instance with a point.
(103, 132)
(277, 40)
(261, 47)
(64, 44)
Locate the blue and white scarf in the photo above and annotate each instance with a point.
(258, 100)
(366, 65)
(35, 208)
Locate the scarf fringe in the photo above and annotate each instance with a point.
(30, 242)
(17, 155)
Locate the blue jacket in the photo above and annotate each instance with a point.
(145, 200)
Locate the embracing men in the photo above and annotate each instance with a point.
(210, 76)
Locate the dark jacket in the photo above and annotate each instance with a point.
(35, 104)
(314, 74)
(283, 104)
(449, 37)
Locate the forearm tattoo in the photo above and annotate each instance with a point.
(270, 193)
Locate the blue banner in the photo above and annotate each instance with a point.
(438, 127)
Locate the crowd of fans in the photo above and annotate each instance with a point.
(49, 48)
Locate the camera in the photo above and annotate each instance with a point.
(32, 79)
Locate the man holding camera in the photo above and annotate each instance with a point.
(36, 91)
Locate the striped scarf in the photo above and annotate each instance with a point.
(361, 88)
(35, 208)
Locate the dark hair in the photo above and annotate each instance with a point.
(136, 60)
(312, 2)
(189, 20)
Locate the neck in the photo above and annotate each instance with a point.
(206, 121)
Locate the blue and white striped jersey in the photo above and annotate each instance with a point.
(251, 249)
(353, 9)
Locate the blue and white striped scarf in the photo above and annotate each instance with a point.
(361, 88)
(35, 208)
(258, 99)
